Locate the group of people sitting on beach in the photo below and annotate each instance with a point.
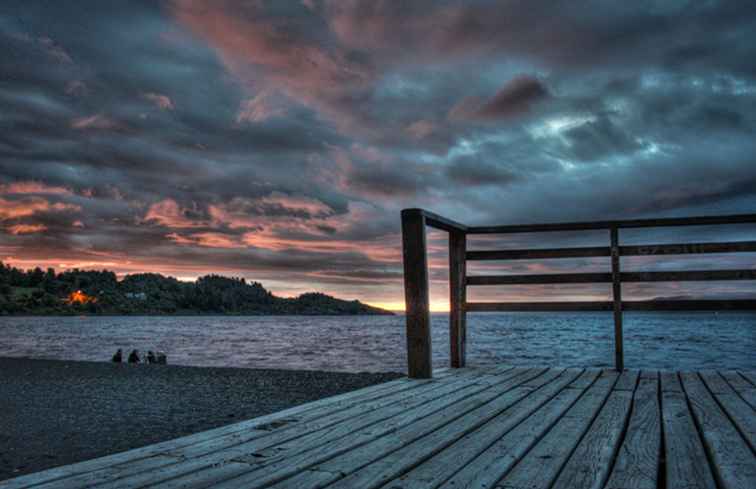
(159, 358)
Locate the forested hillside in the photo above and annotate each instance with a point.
(100, 292)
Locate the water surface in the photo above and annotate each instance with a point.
(376, 343)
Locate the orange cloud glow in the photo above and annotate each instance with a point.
(17, 229)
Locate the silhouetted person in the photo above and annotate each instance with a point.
(118, 357)
(151, 357)
(161, 358)
(134, 356)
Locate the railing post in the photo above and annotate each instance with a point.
(619, 361)
(457, 297)
(416, 295)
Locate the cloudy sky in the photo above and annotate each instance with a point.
(278, 140)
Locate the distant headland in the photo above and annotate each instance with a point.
(40, 292)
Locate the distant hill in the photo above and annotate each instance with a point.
(39, 292)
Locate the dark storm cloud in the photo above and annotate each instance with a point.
(280, 139)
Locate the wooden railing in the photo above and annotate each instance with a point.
(416, 284)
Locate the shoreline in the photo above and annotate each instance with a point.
(59, 412)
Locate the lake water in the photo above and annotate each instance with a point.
(377, 343)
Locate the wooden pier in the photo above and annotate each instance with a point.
(504, 428)
(494, 428)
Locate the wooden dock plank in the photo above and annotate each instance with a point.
(269, 470)
(540, 467)
(745, 389)
(431, 460)
(749, 375)
(734, 463)
(637, 463)
(215, 465)
(686, 464)
(588, 466)
(498, 458)
(627, 380)
(739, 412)
(388, 458)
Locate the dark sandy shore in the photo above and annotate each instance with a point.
(56, 413)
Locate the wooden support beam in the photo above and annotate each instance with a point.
(631, 223)
(416, 295)
(653, 305)
(457, 298)
(619, 358)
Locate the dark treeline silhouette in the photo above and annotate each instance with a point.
(100, 292)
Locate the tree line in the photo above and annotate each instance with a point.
(47, 292)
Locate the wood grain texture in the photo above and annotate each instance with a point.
(416, 423)
(745, 389)
(541, 466)
(637, 463)
(737, 410)
(435, 470)
(734, 464)
(490, 466)
(686, 464)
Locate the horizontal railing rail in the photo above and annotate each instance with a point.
(417, 298)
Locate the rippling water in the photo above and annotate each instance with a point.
(376, 343)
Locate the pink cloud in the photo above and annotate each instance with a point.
(169, 214)
(15, 209)
(208, 240)
(258, 108)
(33, 187)
(97, 121)
(162, 102)
(264, 54)
(17, 229)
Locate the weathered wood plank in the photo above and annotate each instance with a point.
(749, 376)
(433, 467)
(267, 470)
(213, 461)
(588, 466)
(497, 459)
(686, 463)
(734, 463)
(745, 389)
(416, 295)
(627, 380)
(637, 463)
(540, 467)
(388, 459)
(739, 412)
